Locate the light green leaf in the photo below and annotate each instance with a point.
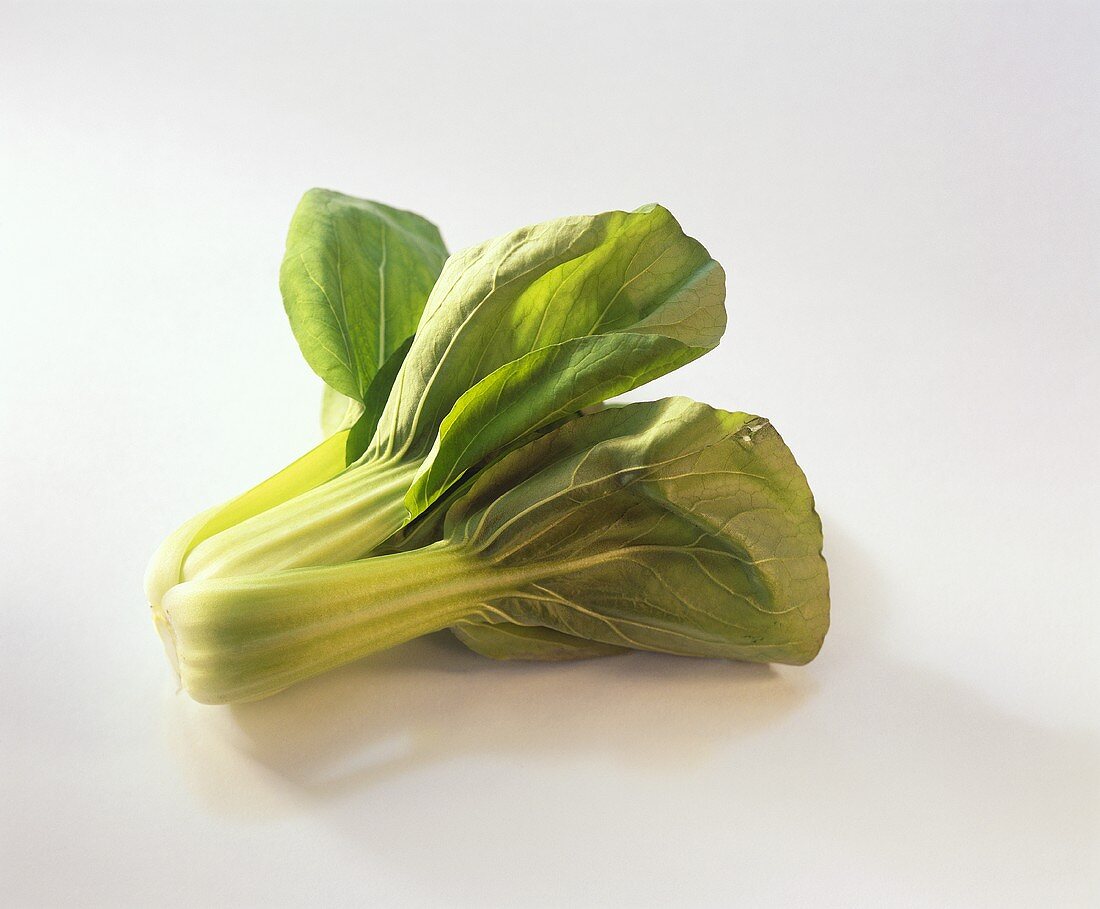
(354, 280)
(610, 300)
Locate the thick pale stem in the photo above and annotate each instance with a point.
(341, 520)
(312, 469)
(243, 638)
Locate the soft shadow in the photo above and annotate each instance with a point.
(433, 700)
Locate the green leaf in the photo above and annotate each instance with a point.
(491, 413)
(669, 526)
(541, 322)
(354, 280)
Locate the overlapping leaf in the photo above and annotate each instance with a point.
(536, 324)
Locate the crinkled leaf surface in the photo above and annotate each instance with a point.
(666, 526)
(354, 280)
(527, 328)
(508, 641)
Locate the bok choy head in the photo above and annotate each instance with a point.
(666, 526)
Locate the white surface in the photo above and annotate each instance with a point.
(905, 197)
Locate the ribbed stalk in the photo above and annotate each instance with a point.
(338, 521)
(243, 638)
(312, 469)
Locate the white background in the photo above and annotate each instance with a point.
(905, 197)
